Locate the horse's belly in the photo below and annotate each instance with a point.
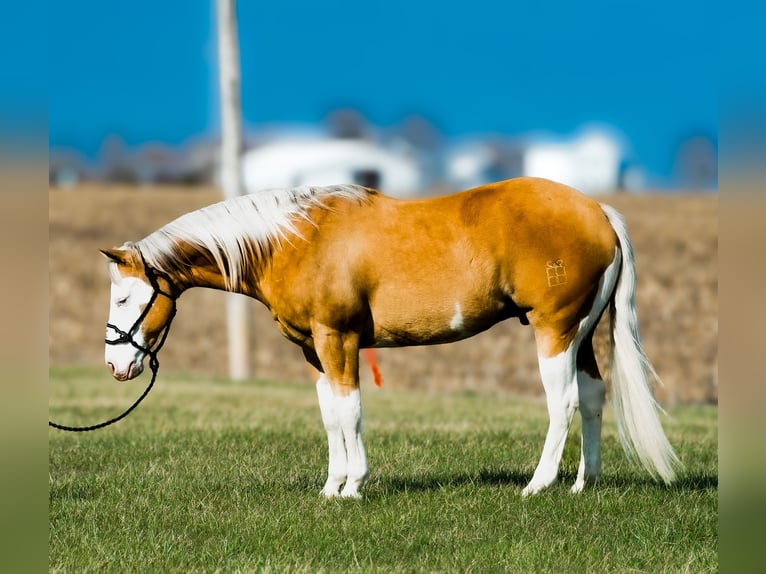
(414, 322)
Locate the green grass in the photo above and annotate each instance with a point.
(210, 476)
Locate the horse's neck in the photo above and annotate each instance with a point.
(202, 271)
(209, 276)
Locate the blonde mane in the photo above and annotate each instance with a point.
(241, 229)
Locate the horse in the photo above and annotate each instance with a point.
(343, 268)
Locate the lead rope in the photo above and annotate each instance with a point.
(154, 365)
(128, 337)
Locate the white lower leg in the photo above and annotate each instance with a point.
(561, 394)
(592, 394)
(349, 409)
(580, 480)
(337, 464)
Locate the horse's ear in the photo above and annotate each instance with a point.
(119, 256)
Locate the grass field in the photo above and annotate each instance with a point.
(210, 476)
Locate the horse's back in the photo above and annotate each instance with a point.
(503, 227)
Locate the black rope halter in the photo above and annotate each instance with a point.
(129, 337)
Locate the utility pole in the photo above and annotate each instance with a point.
(237, 309)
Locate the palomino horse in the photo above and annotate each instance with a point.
(343, 268)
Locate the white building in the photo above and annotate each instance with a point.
(294, 162)
(590, 162)
(475, 162)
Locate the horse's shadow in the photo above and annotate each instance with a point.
(688, 481)
(431, 482)
(510, 478)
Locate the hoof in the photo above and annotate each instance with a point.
(331, 489)
(529, 491)
(352, 494)
(535, 487)
(583, 483)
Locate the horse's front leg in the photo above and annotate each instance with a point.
(341, 405)
(349, 408)
(337, 464)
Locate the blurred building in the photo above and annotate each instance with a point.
(328, 161)
(66, 168)
(408, 159)
(476, 161)
(592, 162)
(696, 164)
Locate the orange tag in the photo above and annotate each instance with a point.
(372, 358)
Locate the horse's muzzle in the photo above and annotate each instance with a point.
(134, 369)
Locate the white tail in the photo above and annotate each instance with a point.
(632, 374)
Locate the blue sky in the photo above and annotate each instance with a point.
(148, 71)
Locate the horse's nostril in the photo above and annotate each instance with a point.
(111, 367)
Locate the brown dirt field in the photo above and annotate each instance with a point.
(676, 243)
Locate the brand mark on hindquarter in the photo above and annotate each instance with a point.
(556, 273)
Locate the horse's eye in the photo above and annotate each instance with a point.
(121, 301)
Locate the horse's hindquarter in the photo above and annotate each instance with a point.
(561, 245)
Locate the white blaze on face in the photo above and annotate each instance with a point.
(127, 300)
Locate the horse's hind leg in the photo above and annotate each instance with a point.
(559, 380)
(592, 394)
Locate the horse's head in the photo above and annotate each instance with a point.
(141, 307)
